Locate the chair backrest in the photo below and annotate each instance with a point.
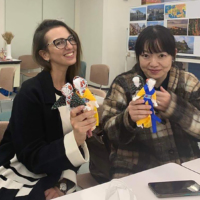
(99, 74)
(27, 62)
(7, 78)
(98, 92)
(3, 126)
(99, 95)
(82, 70)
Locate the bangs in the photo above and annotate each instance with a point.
(155, 39)
(153, 46)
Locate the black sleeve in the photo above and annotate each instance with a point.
(29, 137)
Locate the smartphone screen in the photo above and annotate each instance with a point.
(175, 188)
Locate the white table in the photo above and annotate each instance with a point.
(16, 64)
(139, 184)
(193, 165)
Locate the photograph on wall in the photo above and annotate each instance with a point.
(153, 23)
(185, 44)
(194, 27)
(164, 1)
(143, 2)
(178, 26)
(136, 28)
(155, 12)
(175, 11)
(150, 1)
(137, 14)
(131, 43)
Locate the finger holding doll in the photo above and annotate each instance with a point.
(148, 94)
(81, 123)
(85, 94)
(83, 115)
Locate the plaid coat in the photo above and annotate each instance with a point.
(134, 149)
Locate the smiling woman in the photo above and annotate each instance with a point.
(134, 148)
(155, 50)
(42, 149)
(49, 52)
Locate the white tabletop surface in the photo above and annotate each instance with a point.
(139, 184)
(193, 165)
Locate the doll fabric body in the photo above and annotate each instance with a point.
(77, 95)
(148, 97)
(90, 102)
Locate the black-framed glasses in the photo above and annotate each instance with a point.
(61, 43)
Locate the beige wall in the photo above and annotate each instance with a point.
(115, 20)
(59, 9)
(102, 27)
(101, 24)
(89, 26)
(23, 16)
(2, 19)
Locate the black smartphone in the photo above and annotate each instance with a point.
(175, 188)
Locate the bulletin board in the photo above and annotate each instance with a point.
(182, 18)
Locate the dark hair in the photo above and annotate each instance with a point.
(155, 39)
(40, 43)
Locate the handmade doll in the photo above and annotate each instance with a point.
(76, 96)
(69, 98)
(138, 84)
(84, 93)
(149, 95)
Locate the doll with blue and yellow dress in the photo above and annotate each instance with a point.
(149, 95)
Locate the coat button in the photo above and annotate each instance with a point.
(171, 151)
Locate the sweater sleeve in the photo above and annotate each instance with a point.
(185, 109)
(30, 141)
(116, 120)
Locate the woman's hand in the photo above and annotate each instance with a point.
(138, 110)
(81, 123)
(163, 99)
(53, 193)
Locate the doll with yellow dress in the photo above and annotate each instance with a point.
(82, 90)
(77, 95)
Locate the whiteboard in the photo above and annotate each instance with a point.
(182, 18)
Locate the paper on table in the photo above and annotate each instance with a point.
(119, 191)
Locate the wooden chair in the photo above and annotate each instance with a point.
(98, 92)
(3, 126)
(100, 95)
(6, 82)
(27, 65)
(99, 74)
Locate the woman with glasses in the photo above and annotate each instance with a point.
(42, 149)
